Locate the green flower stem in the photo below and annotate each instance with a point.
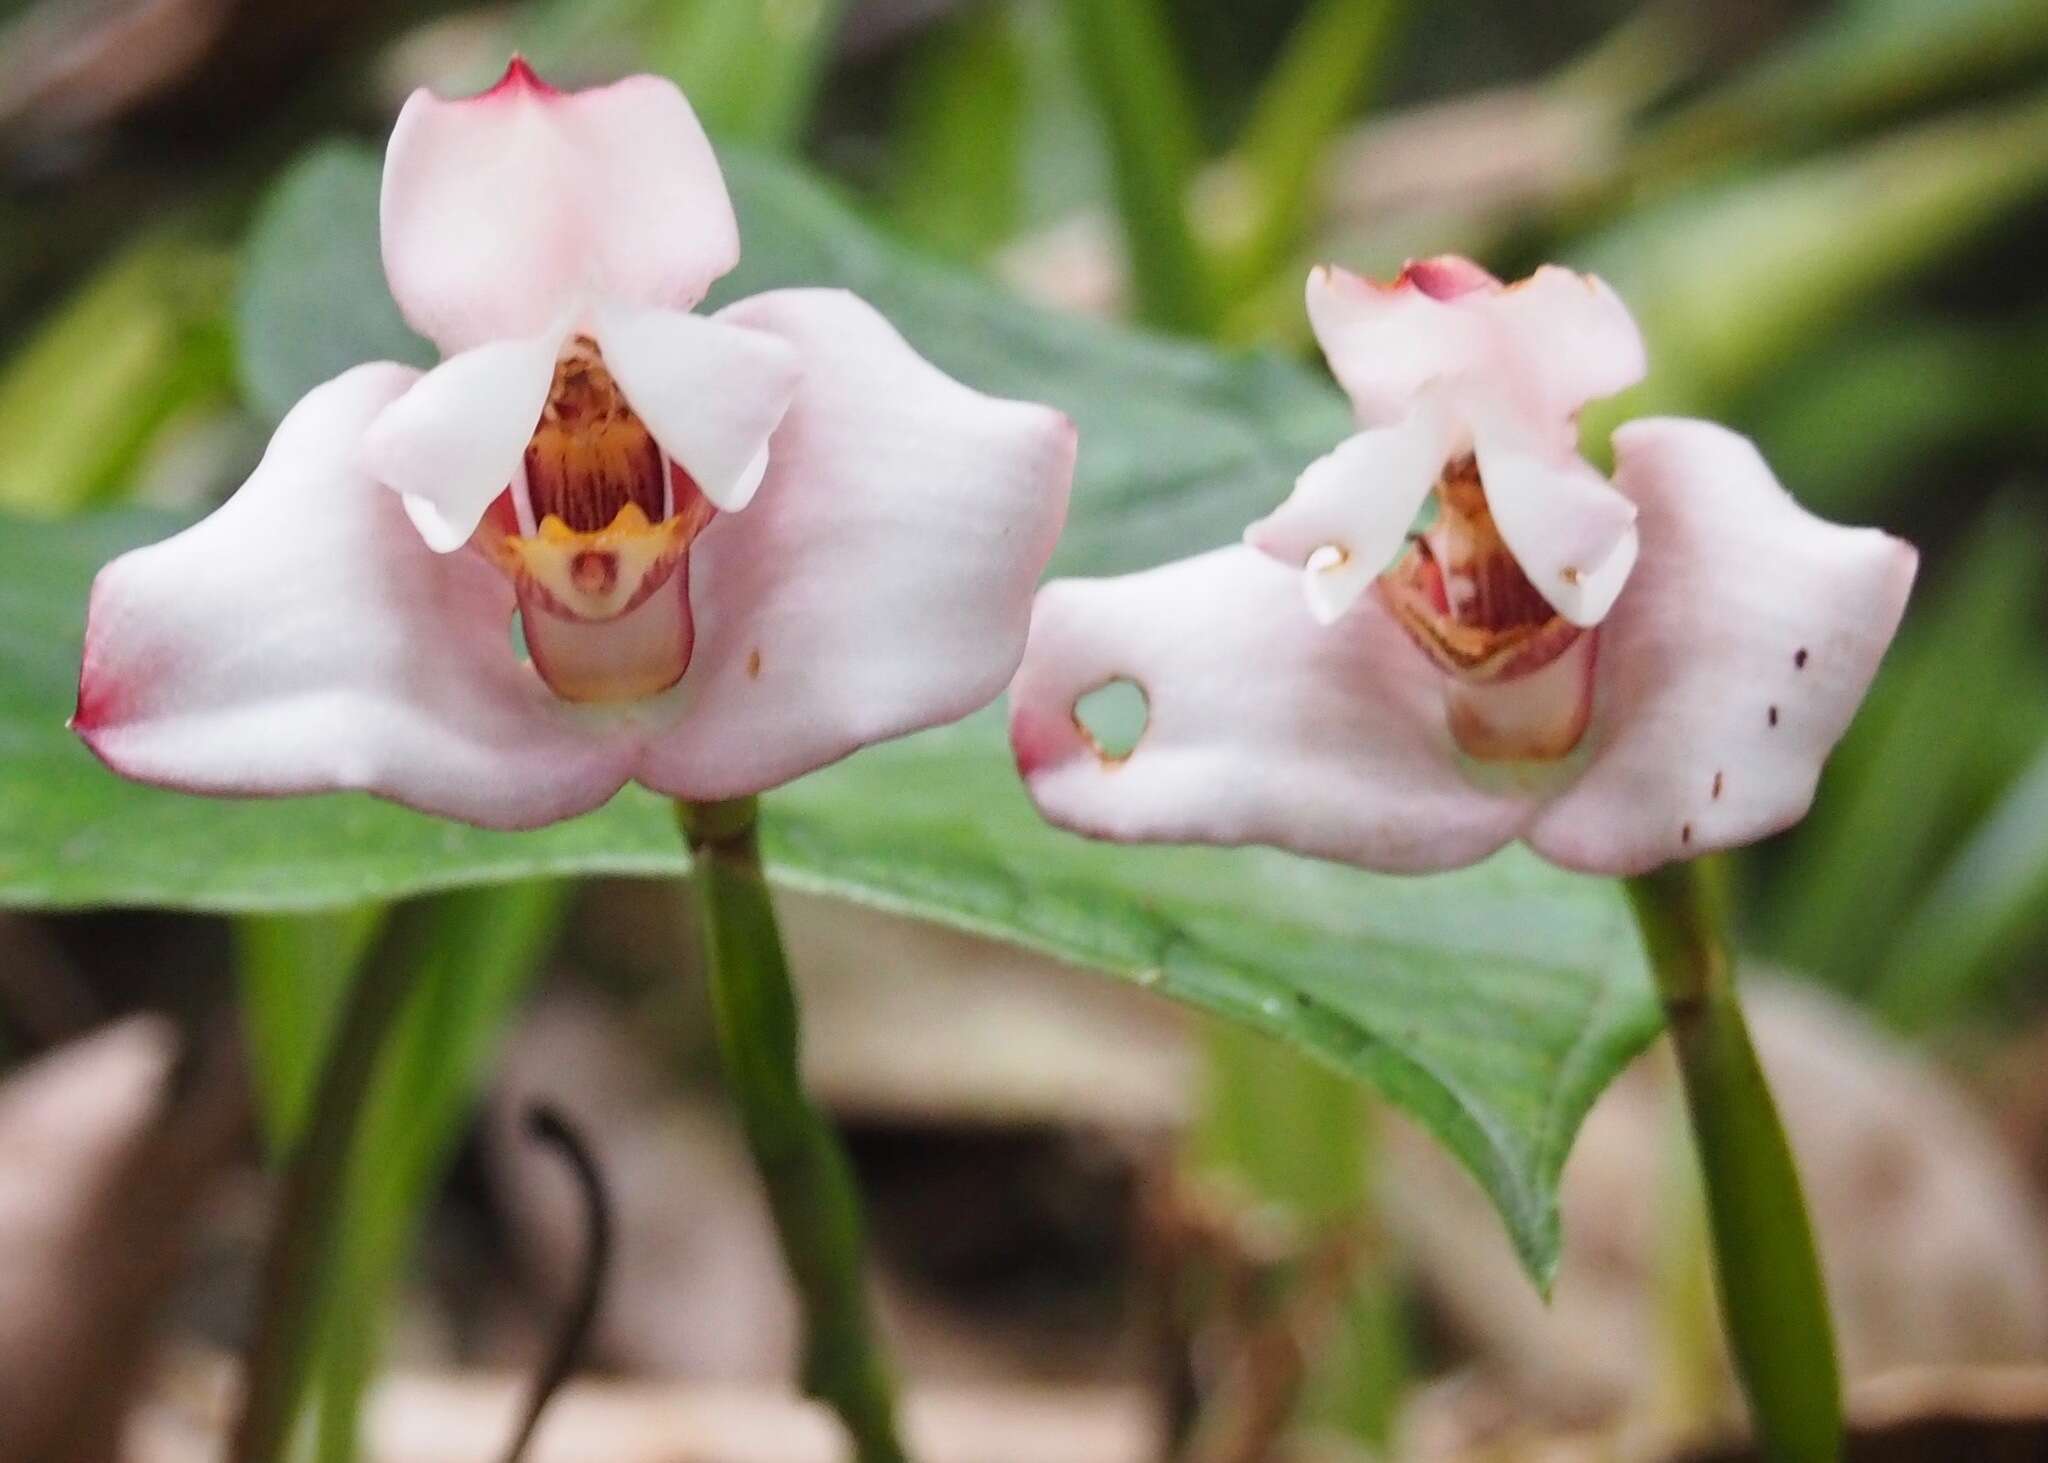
(809, 1181)
(303, 1239)
(1767, 1272)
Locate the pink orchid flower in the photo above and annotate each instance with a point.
(1622, 674)
(741, 545)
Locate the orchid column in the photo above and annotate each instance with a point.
(1626, 675)
(606, 540)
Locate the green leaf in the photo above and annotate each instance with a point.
(1494, 1004)
(317, 264)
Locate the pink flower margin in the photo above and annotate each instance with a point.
(874, 530)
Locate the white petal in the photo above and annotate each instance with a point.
(502, 211)
(710, 392)
(1577, 338)
(1387, 343)
(1567, 527)
(1350, 512)
(302, 639)
(1262, 726)
(1540, 348)
(881, 581)
(453, 443)
(1732, 663)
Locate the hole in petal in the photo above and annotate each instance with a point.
(1113, 718)
(519, 650)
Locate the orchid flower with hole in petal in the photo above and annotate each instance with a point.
(739, 546)
(1620, 673)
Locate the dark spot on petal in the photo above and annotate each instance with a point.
(754, 664)
(1719, 779)
(1685, 834)
(1774, 716)
(1799, 660)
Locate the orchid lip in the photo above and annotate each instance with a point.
(597, 519)
(1519, 674)
(1464, 599)
(595, 531)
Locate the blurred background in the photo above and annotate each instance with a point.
(1829, 219)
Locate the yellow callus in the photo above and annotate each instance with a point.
(601, 575)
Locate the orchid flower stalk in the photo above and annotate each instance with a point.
(1456, 633)
(608, 539)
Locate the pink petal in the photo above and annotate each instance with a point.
(1732, 663)
(1571, 532)
(1387, 342)
(1350, 512)
(302, 639)
(505, 210)
(1542, 347)
(453, 442)
(1577, 336)
(1263, 726)
(881, 582)
(710, 392)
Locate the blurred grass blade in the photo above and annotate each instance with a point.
(472, 957)
(81, 400)
(1333, 51)
(1915, 755)
(959, 141)
(1774, 1307)
(447, 979)
(293, 971)
(310, 1218)
(1858, 61)
(1987, 905)
(1127, 57)
(751, 68)
(1290, 1131)
(1731, 282)
(1851, 424)
(1289, 1136)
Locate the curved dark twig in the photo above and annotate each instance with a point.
(546, 1123)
